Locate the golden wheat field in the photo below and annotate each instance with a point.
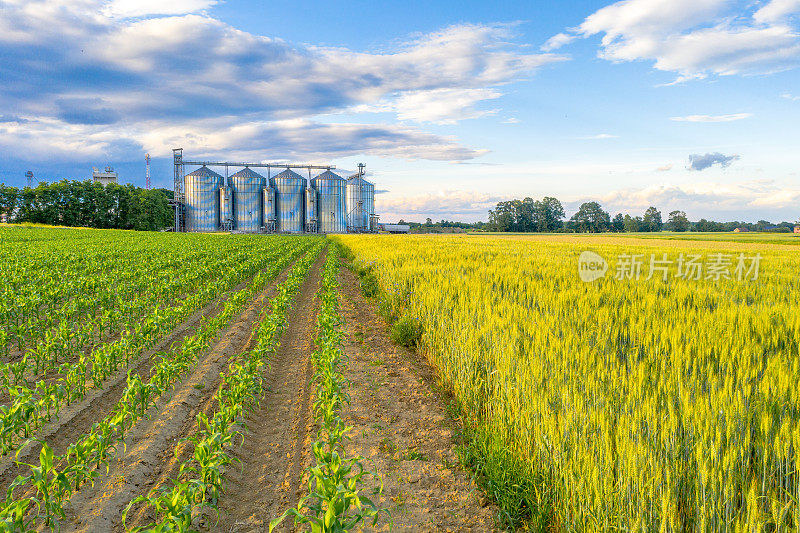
(662, 396)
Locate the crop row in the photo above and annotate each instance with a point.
(42, 288)
(33, 405)
(54, 479)
(199, 482)
(335, 501)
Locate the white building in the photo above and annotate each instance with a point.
(105, 177)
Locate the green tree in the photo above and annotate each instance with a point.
(548, 214)
(618, 223)
(591, 218)
(9, 196)
(652, 220)
(678, 221)
(631, 224)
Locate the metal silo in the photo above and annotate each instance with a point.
(202, 199)
(360, 204)
(247, 186)
(331, 202)
(311, 211)
(289, 195)
(268, 203)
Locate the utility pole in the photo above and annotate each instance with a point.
(147, 171)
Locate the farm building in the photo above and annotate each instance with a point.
(395, 228)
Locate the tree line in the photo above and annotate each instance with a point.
(88, 204)
(547, 215)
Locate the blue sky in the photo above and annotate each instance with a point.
(681, 104)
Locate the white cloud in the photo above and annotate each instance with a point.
(438, 106)
(557, 41)
(141, 8)
(450, 204)
(712, 118)
(664, 168)
(697, 38)
(776, 11)
(284, 140)
(791, 97)
(106, 69)
(598, 136)
(511, 120)
(705, 197)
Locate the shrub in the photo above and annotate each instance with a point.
(406, 332)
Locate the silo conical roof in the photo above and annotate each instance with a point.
(204, 172)
(246, 172)
(329, 175)
(288, 173)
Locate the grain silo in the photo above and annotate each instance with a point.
(289, 198)
(331, 203)
(360, 204)
(312, 225)
(202, 199)
(247, 186)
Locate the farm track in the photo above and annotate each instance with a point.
(277, 443)
(402, 427)
(76, 419)
(148, 459)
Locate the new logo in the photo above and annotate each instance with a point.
(591, 267)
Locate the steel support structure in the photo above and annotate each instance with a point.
(177, 187)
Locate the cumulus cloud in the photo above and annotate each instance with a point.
(697, 38)
(139, 68)
(704, 161)
(439, 106)
(776, 10)
(450, 204)
(281, 140)
(712, 118)
(706, 197)
(141, 8)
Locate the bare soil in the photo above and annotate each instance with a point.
(277, 446)
(149, 457)
(399, 416)
(75, 420)
(401, 425)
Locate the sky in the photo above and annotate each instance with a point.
(688, 105)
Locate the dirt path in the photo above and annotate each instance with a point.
(76, 419)
(400, 424)
(277, 445)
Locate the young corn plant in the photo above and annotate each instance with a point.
(200, 481)
(335, 501)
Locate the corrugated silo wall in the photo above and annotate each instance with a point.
(332, 204)
(247, 203)
(289, 200)
(202, 202)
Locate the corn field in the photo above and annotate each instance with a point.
(666, 404)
